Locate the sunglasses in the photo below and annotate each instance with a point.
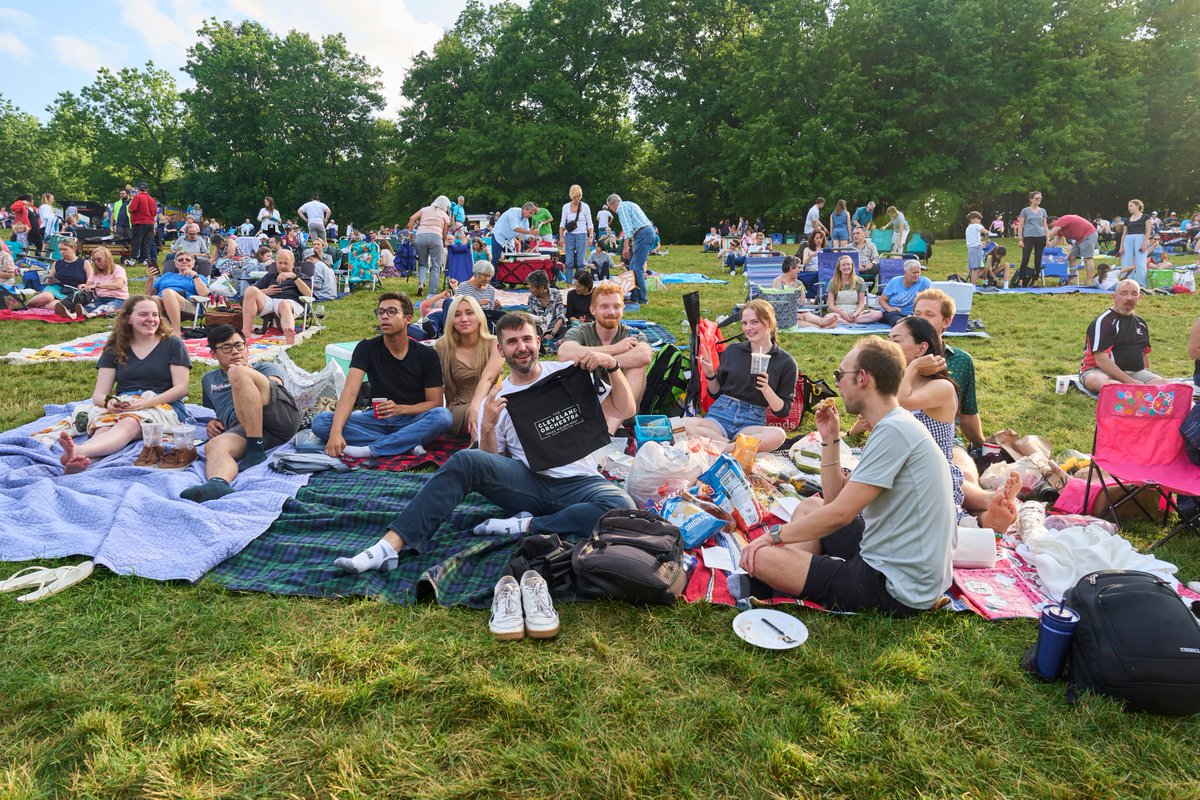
(838, 374)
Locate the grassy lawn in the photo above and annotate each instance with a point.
(129, 688)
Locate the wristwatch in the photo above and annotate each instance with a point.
(774, 531)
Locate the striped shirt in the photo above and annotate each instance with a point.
(486, 296)
(632, 217)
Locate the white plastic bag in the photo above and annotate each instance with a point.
(656, 466)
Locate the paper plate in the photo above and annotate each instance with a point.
(751, 626)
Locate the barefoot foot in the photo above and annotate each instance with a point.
(72, 462)
(1001, 512)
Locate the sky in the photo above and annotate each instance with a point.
(44, 58)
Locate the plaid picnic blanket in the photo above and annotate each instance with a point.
(89, 347)
(437, 452)
(338, 514)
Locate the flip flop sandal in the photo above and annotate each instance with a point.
(68, 578)
(31, 577)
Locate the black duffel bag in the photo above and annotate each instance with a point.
(1136, 641)
(635, 556)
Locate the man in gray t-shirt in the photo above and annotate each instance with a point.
(609, 334)
(895, 557)
(254, 412)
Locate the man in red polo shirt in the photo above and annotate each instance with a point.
(142, 213)
(1083, 238)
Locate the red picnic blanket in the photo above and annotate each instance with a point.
(437, 453)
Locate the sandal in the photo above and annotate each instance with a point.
(31, 577)
(66, 578)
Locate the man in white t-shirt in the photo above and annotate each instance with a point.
(812, 222)
(896, 556)
(566, 500)
(604, 220)
(316, 214)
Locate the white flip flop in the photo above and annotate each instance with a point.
(31, 577)
(67, 577)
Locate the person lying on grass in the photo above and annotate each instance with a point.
(566, 500)
(142, 376)
(743, 396)
(881, 538)
(255, 413)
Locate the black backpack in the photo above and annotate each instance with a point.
(1136, 641)
(635, 556)
(664, 379)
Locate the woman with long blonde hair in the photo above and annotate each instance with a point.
(109, 284)
(471, 363)
(142, 377)
(846, 296)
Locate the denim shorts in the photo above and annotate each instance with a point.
(735, 415)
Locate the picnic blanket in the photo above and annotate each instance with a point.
(130, 519)
(89, 347)
(877, 328)
(38, 314)
(1045, 290)
(689, 277)
(437, 452)
(656, 335)
(338, 514)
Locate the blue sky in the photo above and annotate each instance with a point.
(49, 52)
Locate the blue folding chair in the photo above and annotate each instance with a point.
(763, 270)
(827, 265)
(889, 267)
(1055, 265)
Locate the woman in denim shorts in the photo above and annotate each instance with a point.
(743, 391)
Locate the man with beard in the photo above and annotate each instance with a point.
(883, 536)
(611, 336)
(1117, 348)
(566, 500)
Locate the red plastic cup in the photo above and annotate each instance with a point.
(375, 401)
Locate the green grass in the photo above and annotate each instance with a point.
(129, 688)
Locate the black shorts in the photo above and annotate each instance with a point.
(281, 418)
(839, 579)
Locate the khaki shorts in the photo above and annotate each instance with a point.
(1140, 375)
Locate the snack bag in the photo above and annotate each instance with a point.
(745, 448)
(682, 511)
(726, 485)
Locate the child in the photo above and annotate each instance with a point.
(995, 273)
(975, 232)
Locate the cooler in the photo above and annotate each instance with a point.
(1160, 278)
(963, 295)
(341, 354)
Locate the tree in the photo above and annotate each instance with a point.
(35, 161)
(130, 123)
(286, 117)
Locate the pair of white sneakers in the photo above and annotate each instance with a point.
(523, 609)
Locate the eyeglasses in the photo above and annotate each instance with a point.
(231, 348)
(838, 374)
(390, 311)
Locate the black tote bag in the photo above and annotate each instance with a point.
(558, 419)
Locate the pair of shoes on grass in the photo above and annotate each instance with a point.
(61, 309)
(523, 609)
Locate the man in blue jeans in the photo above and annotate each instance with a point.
(406, 392)
(639, 230)
(566, 500)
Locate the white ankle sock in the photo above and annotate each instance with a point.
(417, 451)
(379, 556)
(355, 451)
(509, 526)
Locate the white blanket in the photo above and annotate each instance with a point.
(1063, 557)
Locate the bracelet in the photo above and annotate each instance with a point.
(832, 463)
(712, 377)
(830, 444)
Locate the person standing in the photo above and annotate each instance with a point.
(430, 225)
(839, 224)
(604, 220)
(899, 226)
(316, 215)
(639, 241)
(1033, 239)
(48, 220)
(576, 231)
(20, 209)
(143, 211)
(1083, 238)
(269, 221)
(122, 223)
(1134, 246)
(812, 222)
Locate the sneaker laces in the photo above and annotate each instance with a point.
(541, 598)
(509, 601)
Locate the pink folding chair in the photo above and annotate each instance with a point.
(1138, 443)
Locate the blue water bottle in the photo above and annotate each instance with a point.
(1054, 638)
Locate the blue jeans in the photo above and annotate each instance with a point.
(566, 506)
(497, 251)
(643, 243)
(734, 261)
(389, 436)
(576, 255)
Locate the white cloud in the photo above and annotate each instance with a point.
(168, 29)
(19, 20)
(387, 35)
(9, 43)
(87, 55)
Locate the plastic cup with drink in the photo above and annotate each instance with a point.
(375, 401)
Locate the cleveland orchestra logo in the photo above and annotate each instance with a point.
(558, 422)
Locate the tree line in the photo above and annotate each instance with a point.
(697, 109)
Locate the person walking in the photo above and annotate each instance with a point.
(431, 224)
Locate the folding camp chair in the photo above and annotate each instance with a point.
(763, 270)
(1054, 265)
(917, 247)
(890, 266)
(882, 240)
(827, 265)
(1137, 443)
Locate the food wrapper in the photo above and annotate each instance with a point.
(694, 521)
(745, 448)
(726, 485)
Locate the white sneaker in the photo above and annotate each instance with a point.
(541, 620)
(507, 621)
